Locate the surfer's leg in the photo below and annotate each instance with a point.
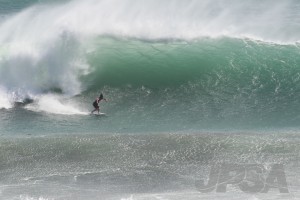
(94, 110)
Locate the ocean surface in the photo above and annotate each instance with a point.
(190, 85)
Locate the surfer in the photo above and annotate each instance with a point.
(96, 103)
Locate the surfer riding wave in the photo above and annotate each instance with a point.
(96, 103)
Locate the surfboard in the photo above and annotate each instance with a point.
(99, 114)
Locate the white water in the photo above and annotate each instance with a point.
(55, 104)
(4, 99)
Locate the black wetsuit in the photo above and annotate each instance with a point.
(96, 102)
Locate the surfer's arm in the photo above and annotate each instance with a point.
(103, 100)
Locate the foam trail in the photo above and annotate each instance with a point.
(54, 104)
(25, 197)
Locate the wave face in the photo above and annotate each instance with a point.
(184, 64)
(208, 80)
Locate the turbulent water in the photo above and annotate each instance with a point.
(189, 84)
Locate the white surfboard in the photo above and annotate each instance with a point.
(98, 114)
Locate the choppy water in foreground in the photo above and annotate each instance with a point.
(150, 166)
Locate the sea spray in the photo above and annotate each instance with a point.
(55, 104)
(4, 100)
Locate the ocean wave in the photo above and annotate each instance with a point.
(208, 61)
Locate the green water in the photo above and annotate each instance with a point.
(210, 83)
